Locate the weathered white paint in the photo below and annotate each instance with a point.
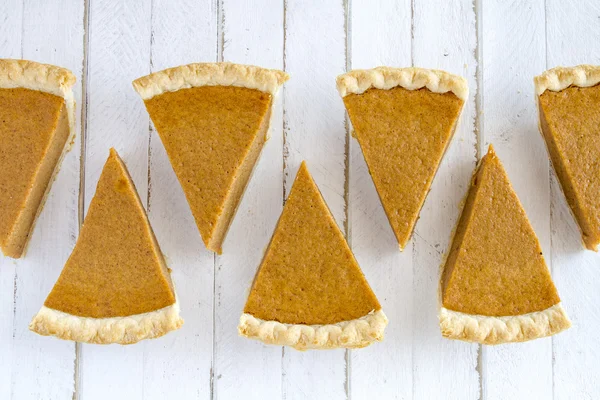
(315, 131)
(252, 34)
(310, 41)
(576, 271)
(389, 271)
(444, 37)
(183, 31)
(10, 47)
(513, 52)
(119, 51)
(37, 367)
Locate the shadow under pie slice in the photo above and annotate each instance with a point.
(115, 286)
(569, 110)
(495, 286)
(37, 114)
(403, 119)
(213, 120)
(309, 292)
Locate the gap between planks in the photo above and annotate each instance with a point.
(83, 138)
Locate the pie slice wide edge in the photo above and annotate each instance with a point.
(44, 78)
(412, 79)
(511, 326)
(215, 75)
(368, 321)
(557, 80)
(75, 281)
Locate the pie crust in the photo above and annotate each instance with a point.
(121, 330)
(359, 81)
(41, 77)
(210, 74)
(559, 78)
(356, 333)
(496, 330)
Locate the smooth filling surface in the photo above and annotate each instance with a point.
(403, 135)
(308, 274)
(34, 129)
(495, 266)
(570, 122)
(213, 136)
(116, 268)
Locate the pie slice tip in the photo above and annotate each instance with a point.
(495, 286)
(309, 292)
(115, 287)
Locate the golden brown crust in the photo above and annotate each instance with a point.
(120, 330)
(209, 74)
(559, 78)
(358, 81)
(497, 330)
(356, 333)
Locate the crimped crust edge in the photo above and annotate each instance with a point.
(411, 78)
(356, 333)
(210, 74)
(496, 330)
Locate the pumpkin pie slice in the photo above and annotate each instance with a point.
(569, 109)
(403, 119)
(213, 120)
(309, 292)
(495, 286)
(37, 114)
(115, 286)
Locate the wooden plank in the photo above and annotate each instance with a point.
(252, 34)
(119, 51)
(44, 367)
(513, 52)
(444, 37)
(383, 370)
(11, 13)
(315, 131)
(178, 365)
(576, 271)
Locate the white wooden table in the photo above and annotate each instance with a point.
(497, 45)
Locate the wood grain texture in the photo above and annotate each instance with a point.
(314, 42)
(43, 368)
(389, 271)
(179, 364)
(575, 270)
(252, 34)
(315, 131)
(444, 37)
(11, 14)
(510, 123)
(119, 51)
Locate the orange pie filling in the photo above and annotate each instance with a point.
(495, 286)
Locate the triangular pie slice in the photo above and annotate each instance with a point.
(403, 119)
(309, 292)
(569, 111)
(213, 120)
(115, 286)
(495, 286)
(37, 114)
